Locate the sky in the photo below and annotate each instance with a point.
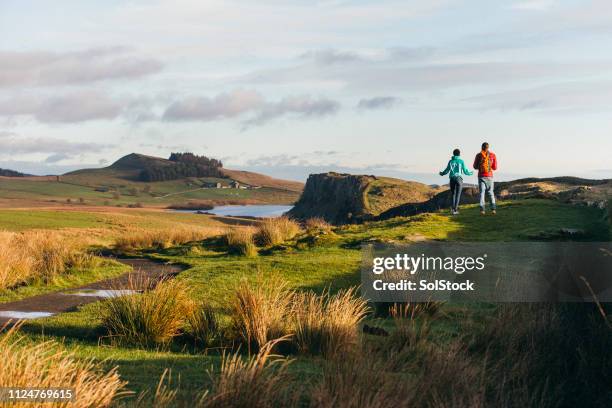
(290, 88)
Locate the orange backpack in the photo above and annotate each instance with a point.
(485, 163)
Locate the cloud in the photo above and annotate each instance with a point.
(301, 106)
(415, 69)
(57, 157)
(568, 97)
(331, 56)
(248, 103)
(54, 146)
(72, 107)
(538, 5)
(5, 133)
(18, 68)
(379, 102)
(225, 105)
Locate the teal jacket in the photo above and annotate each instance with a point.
(456, 167)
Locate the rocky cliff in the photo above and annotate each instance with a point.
(346, 198)
(338, 198)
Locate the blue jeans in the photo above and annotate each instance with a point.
(486, 187)
(456, 185)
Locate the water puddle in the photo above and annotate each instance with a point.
(103, 293)
(15, 314)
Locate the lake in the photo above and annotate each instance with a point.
(255, 210)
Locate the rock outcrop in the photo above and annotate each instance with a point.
(346, 198)
(336, 197)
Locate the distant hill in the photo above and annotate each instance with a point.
(129, 167)
(12, 173)
(121, 184)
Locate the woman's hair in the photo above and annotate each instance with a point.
(456, 152)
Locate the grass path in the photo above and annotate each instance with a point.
(143, 272)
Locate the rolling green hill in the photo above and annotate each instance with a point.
(119, 185)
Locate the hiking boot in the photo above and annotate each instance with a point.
(482, 212)
(493, 212)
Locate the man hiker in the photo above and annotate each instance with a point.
(485, 162)
(455, 168)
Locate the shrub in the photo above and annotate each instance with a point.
(48, 365)
(317, 224)
(274, 231)
(203, 324)
(261, 381)
(149, 319)
(240, 241)
(260, 311)
(327, 323)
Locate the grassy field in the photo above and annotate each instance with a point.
(310, 261)
(124, 193)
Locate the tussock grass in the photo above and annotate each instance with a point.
(48, 365)
(408, 309)
(260, 381)
(319, 324)
(44, 255)
(358, 379)
(274, 231)
(203, 324)
(241, 241)
(149, 319)
(140, 238)
(317, 224)
(259, 311)
(327, 324)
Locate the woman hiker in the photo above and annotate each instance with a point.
(455, 168)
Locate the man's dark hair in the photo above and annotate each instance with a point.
(456, 152)
(485, 146)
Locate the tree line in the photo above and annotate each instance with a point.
(182, 165)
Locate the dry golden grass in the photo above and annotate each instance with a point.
(260, 381)
(319, 324)
(241, 241)
(149, 319)
(139, 238)
(259, 311)
(317, 224)
(359, 379)
(327, 324)
(48, 365)
(274, 231)
(30, 255)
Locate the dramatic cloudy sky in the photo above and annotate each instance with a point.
(292, 87)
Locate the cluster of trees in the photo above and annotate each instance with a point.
(11, 173)
(182, 165)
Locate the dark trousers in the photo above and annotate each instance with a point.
(456, 186)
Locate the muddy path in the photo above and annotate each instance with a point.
(49, 304)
